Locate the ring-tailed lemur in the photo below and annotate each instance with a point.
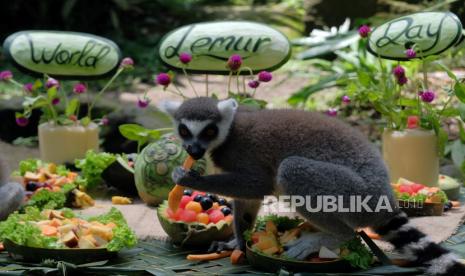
(11, 194)
(296, 153)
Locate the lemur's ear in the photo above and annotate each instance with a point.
(227, 108)
(169, 107)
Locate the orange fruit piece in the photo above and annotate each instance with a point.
(174, 197)
(194, 206)
(203, 218)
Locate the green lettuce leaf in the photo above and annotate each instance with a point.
(92, 167)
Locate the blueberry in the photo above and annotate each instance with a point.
(206, 203)
(213, 197)
(198, 198)
(32, 186)
(226, 211)
(222, 201)
(188, 192)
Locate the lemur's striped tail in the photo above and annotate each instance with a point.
(419, 248)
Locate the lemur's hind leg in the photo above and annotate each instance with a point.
(11, 197)
(313, 180)
(245, 213)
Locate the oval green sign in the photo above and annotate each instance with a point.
(431, 32)
(212, 43)
(62, 54)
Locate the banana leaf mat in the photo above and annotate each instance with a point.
(160, 258)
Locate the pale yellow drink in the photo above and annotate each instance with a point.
(412, 154)
(63, 144)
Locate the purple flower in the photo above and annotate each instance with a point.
(398, 71)
(264, 76)
(104, 121)
(55, 101)
(185, 58)
(345, 99)
(410, 53)
(79, 88)
(402, 80)
(22, 121)
(234, 62)
(163, 79)
(427, 96)
(143, 103)
(331, 112)
(364, 30)
(51, 82)
(6, 75)
(127, 63)
(28, 87)
(253, 84)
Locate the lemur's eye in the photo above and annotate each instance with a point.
(184, 131)
(209, 132)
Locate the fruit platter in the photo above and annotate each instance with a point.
(419, 200)
(48, 185)
(272, 233)
(199, 219)
(62, 235)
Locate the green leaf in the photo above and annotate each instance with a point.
(133, 132)
(85, 121)
(303, 94)
(449, 72)
(442, 140)
(37, 84)
(461, 110)
(461, 132)
(34, 102)
(364, 78)
(459, 90)
(52, 93)
(72, 107)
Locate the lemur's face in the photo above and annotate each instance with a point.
(201, 123)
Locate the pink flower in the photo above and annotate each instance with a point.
(331, 112)
(427, 96)
(127, 63)
(79, 88)
(345, 99)
(185, 58)
(234, 62)
(264, 76)
(163, 79)
(402, 80)
(6, 75)
(55, 101)
(410, 53)
(51, 82)
(28, 87)
(253, 84)
(364, 30)
(143, 103)
(22, 121)
(104, 121)
(398, 71)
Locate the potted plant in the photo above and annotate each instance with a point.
(413, 138)
(64, 134)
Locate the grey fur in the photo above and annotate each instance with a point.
(293, 153)
(11, 194)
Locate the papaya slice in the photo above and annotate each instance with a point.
(209, 256)
(175, 195)
(271, 227)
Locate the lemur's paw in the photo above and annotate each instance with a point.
(181, 176)
(218, 246)
(302, 247)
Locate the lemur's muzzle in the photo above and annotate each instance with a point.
(195, 150)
